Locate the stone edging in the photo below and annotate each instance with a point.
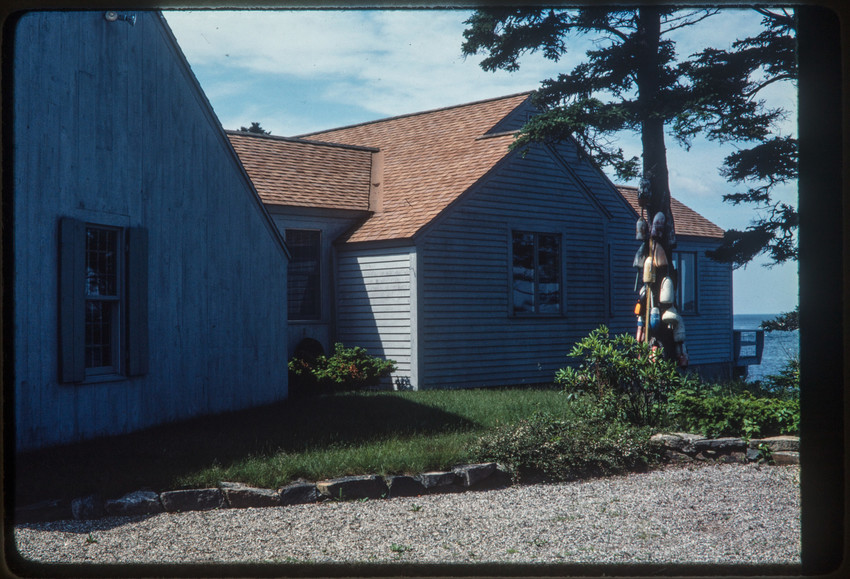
(684, 447)
(237, 495)
(677, 448)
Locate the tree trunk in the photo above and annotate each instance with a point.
(655, 163)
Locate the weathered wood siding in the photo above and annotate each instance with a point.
(110, 127)
(469, 335)
(376, 297)
(331, 223)
(709, 330)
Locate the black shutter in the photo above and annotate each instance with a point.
(137, 301)
(72, 300)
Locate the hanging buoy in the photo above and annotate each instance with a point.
(658, 224)
(682, 355)
(654, 318)
(640, 329)
(639, 256)
(671, 317)
(667, 293)
(679, 332)
(648, 270)
(641, 229)
(659, 256)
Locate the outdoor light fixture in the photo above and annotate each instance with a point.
(112, 16)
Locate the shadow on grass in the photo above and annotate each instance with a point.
(157, 456)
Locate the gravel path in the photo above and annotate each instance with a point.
(719, 514)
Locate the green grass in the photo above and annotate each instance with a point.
(325, 437)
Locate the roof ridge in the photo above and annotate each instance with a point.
(417, 113)
(301, 141)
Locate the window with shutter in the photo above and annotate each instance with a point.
(102, 301)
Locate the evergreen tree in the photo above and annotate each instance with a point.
(255, 128)
(633, 81)
(752, 65)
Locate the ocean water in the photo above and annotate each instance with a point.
(778, 346)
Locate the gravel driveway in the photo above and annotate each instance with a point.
(717, 514)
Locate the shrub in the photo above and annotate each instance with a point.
(739, 415)
(348, 369)
(623, 375)
(567, 449)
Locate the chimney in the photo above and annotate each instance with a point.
(376, 186)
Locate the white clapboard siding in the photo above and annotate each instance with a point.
(375, 292)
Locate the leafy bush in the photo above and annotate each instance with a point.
(567, 449)
(348, 369)
(739, 415)
(623, 375)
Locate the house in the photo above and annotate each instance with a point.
(149, 280)
(425, 239)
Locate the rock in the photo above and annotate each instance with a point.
(681, 441)
(677, 456)
(753, 454)
(142, 502)
(472, 474)
(193, 500)
(354, 487)
(298, 494)
(240, 496)
(720, 445)
(783, 457)
(88, 507)
(404, 486)
(778, 443)
(49, 510)
(733, 457)
(436, 481)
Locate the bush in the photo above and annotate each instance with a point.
(623, 375)
(348, 369)
(558, 449)
(739, 415)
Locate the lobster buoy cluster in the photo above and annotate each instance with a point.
(658, 322)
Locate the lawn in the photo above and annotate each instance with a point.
(313, 439)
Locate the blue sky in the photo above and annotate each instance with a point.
(302, 71)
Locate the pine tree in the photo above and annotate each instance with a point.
(633, 81)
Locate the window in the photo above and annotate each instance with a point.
(536, 273)
(686, 292)
(102, 301)
(304, 274)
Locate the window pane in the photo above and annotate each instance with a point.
(101, 262)
(548, 273)
(99, 333)
(687, 283)
(523, 272)
(303, 276)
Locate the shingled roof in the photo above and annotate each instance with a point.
(430, 159)
(427, 160)
(687, 221)
(305, 173)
